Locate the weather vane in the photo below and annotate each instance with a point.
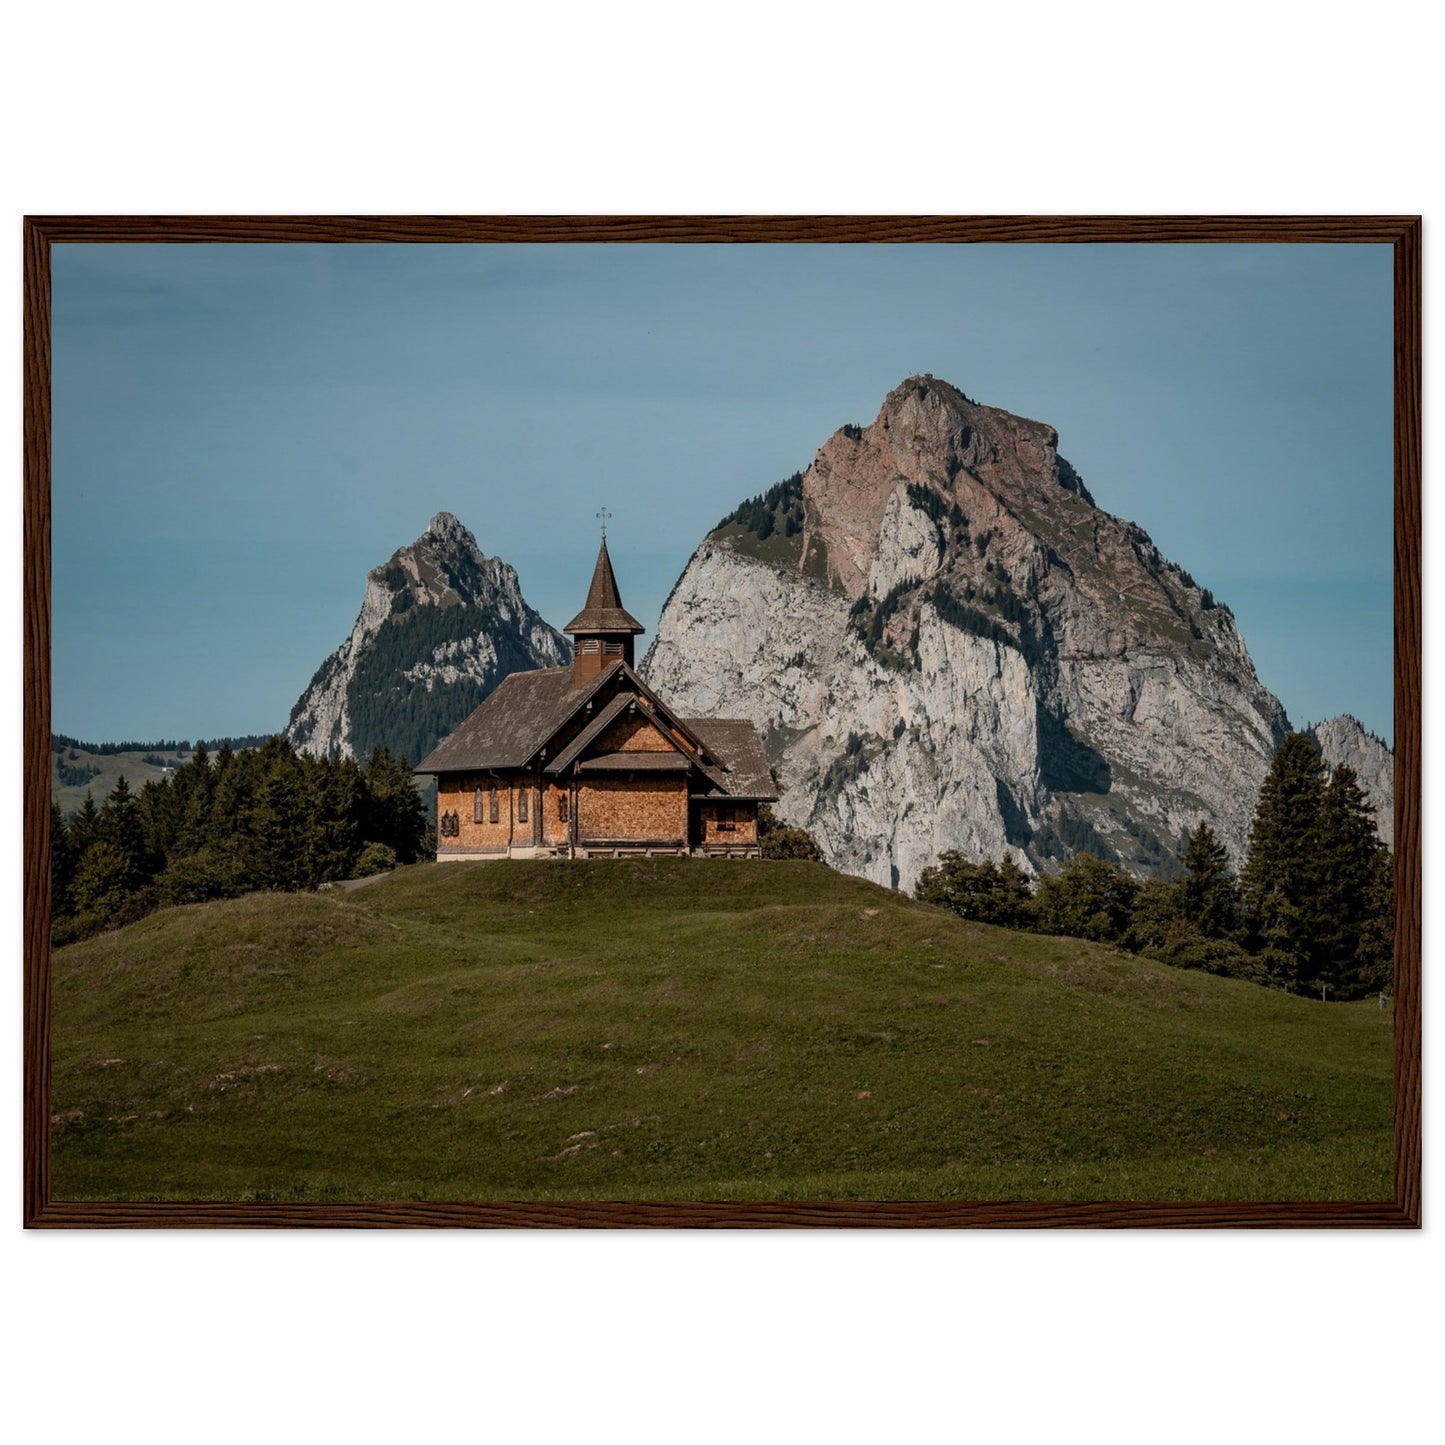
(605, 516)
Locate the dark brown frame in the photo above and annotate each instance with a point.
(1403, 233)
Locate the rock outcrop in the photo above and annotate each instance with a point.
(1344, 741)
(440, 626)
(947, 644)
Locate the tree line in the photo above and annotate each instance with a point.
(230, 824)
(59, 742)
(1312, 910)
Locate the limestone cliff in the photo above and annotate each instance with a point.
(440, 626)
(1344, 740)
(947, 644)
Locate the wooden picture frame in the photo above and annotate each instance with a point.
(1403, 234)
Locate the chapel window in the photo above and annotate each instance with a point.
(562, 801)
(521, 805)
(496, 804)
(477, 807)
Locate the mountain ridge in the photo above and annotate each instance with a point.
(947, 644)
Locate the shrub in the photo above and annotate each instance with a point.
(777, 840)
(204, 875)
(375, 858)
(985, 892)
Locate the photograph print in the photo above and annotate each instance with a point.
(582, 730)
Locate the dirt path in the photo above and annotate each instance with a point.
(348, 884)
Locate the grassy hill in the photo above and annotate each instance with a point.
(679, 1029)
(106, 770)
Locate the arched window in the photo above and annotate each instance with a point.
(521, 805)
(496, 804)
(477, 807)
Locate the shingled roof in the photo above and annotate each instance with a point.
(516, 720)
(735, 743)
(604, 611)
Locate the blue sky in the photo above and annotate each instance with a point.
(241, 432)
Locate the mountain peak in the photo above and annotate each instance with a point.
(447, 529)
(948, 644)
(440, 626)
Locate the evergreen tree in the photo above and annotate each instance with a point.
(1086, 898)
(122, 826)
(62, 864)
(1279, 886)
(1347, 898)
(84, 827)
(281, 819)
(338, 805)
(1207, 895)
(1374, 969)
(194, 786)
(395, 813)
(1155, 914)
(104, 881)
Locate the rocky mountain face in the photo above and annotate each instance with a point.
(947, 644)
(440, 626)
(1344, 741)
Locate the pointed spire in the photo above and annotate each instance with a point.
(604, 611)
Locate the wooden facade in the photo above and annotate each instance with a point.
(586, 760)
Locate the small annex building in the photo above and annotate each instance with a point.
(586, 760)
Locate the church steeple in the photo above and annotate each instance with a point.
(603, 630)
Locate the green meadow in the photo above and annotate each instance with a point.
(687, 1030)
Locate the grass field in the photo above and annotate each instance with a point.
(682, 1029)
(112, 768)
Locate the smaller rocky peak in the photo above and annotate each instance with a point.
(447, 531)
(1344, 741)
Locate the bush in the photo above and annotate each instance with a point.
(777, 840)
(984, 892)
(1186, 947)
(375, 858)
(1087, 898)
(200, 877)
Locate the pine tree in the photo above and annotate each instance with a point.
(1207, 895)
(62, 864)
(84, 826)
(1375, 953)
(121, 825)
(395, 814)
(194, 785)
(1346, 848)
(1280, 882)
(338, 801)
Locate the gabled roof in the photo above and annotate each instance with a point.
(608, 715)
(516, 722)
(735, 743)
(604, 611)
(507, 730)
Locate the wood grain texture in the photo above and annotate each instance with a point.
(1403, 233)
(943, 229)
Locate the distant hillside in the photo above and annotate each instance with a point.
(671, 1029)
(78, 768)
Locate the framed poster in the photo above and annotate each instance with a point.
(1055, 692)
